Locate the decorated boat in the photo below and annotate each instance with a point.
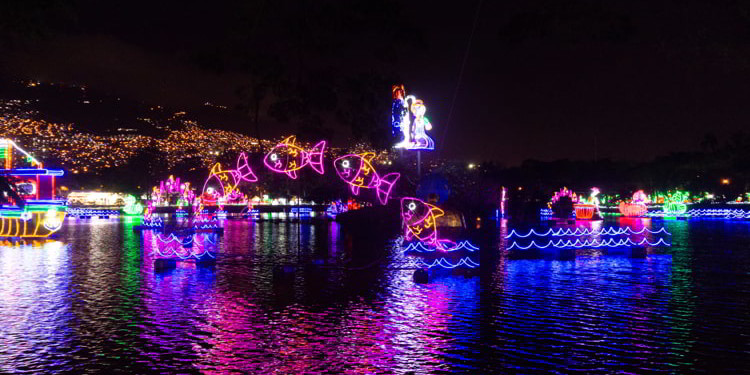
(33, 211)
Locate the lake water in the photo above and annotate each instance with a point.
(91, 301)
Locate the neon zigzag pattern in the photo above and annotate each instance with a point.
(611, 231)
(561, 244)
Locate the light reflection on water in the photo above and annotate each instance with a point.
(91, 301)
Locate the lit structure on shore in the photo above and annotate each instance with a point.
(37, 213)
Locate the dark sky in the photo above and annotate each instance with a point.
(543, 79)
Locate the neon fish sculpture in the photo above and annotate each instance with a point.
(229, 179)
(408, 115)
(358, 172)
(287, 157)
(420, 220)
(420, 223)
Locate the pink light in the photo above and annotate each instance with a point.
(228, 181)
(358, 172)
(419, 220)
(287, 157)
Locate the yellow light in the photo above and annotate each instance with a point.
(725, 181)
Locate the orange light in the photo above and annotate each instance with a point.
(725, 181)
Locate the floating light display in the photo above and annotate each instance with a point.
(193, 246)
(674, 204)
(132, 207)
(38, 214)
(358, 172)
(588, 208)
(420, 223)
(287, 157)
(447, 247)
(637, 206)
(595, 243)
(578, 232)
(408, 116)
(420, 220)
(172, 192)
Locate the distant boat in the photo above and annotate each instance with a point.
(33, 211)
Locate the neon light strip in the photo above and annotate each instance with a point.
(611, 231)
(6, 141)
(560, 244)
(31, 172)
(442, 262)
(420, 247)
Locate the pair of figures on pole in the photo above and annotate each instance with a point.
(408, 121)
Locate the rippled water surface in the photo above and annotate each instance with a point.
(92, 301)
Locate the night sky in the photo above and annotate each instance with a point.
(543, 80)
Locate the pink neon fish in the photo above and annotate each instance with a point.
(357, 171)
(420, 220)
(287, 157)
(229, 179)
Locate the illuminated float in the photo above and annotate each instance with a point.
(637, 206)
(588, 209)
(172, 192)
(675, 203)
(408, 120)
(288, 157)
(358, 172)
(37, 213)
(132, 207)
(563, 202)
(421, 234)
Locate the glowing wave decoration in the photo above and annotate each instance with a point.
(287, 157)
(446, 246)
(442, 262)
(578, 232)
(726, 213)
(578, 244)
(191, 247)
(358, 172)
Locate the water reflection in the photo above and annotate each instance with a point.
(97, 303)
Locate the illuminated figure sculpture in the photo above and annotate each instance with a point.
(408, 115)
(226, 182)
(287, 157)
(358, 172)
